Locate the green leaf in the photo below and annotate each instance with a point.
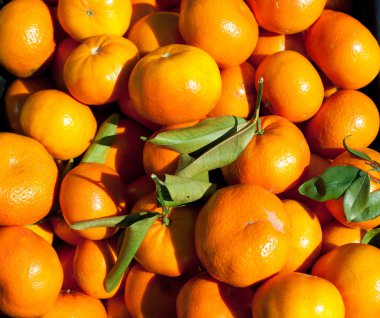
(331, 184)
(372, 237)
(184, 161)
(372, 210)
(221, 154)
(354, 152)
(98, 150)
(356, 197)
(132, 239)
(194, 139)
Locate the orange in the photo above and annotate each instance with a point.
(92, 261)
(64, 126)
(259, 229)
(150, 295)
(26, 37)
(17, 93)
(115, 307)
(139, 188)
(275, 159)
(64, 231)
(168, 249)
(336, 206)
(335, 234)
(270, 42)
(353, 269)
(126, 152)
(344, 113)
(286, 16)
(238, 92)
(90, 191)
(30, 273)
(204, 296)
(351, 60)
(330, 87)
(295, 295)
(42, 229)
(184, 80)
(141, 8)
(76, 304)
(28, 180)
(306, 237)
(82, 20)
(292, 86)
(66, 255)
(226, 30)
(155, 30)
(97, 70)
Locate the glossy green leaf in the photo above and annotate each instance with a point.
(372, 210)
(372, 237)
(184, 161)
(356, 197)
(354, 152)
(331, 184)
(98, 150)
(132, 239)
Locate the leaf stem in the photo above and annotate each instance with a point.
(256, 117)
(161, 201)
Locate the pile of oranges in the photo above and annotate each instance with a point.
(157, 154)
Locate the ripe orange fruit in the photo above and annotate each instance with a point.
(226, 30)
(351, 60)
(28, 180)
(238, 92)
(168, 249)
(344, 113)
(141, 8)
(203, 296)
(155, 30)
(82, 20)
(92, 261)
(184, 80)
(336, 234)
(286, 16)
(26, 37)
(66, 255)
(16, 95)
(292, 86)
(306, 237)
(76, 304)
(353, 269)
(64, 231)
(139, 188)
(336, 206)
(150, 295)
(30, 273)
(260, 229)
(90, 191)
(97, 70)
(295, 295)
(275, 159)
(42, 229)
(64, 126)
(115, 307)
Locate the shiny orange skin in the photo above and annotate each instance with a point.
(89, 191)
(292, 86)
(115, 307)
(42, 229)
(353, 63)
(26, 37)
(204, 296)
(353, 269)
(97, 70)
(28, 180)
(344, 113)
(295, 295)
(226, 30)
(184, 80)
(286, 16)
(260, 230)
(64, 231)
(31, 277)
(141, 8)
(275, 159)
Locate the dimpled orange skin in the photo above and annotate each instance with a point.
(274, 160)
(97, 70)
(353, 269)
(344, 113)
(292, 86)
(351, 60)
(260, 229)
(336, 206)
(226, 30)
(286, 16)
(184, 80)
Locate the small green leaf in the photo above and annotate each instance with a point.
(356, 197)
(184, 161)
(372, 237)
(98, 150)
(331, 184)
(132, 239)
(372, 210)
(354, 152)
